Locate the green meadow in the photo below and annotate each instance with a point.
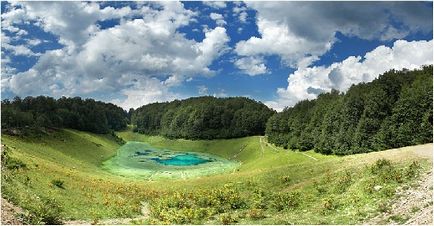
(65, 176)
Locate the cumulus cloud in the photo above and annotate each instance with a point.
(307, 83)
(73, 22)
(240, 11)
(202, 90)
(215, 4)
(243, 17)
(251, 65)
(300, 32)
(140, 58)
(151, 90)
(218, 19)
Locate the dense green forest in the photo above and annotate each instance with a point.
(23, 115)
(394, 110)
(203, 118)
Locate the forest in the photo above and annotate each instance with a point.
(203, 118)
(394, 110)
(35, 113)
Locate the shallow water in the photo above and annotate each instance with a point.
(183, 160)
(137, 159)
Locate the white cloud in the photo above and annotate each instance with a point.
(148, 91)
(218, 19)
(73, 22)
(240, 11)
(307, 83)
(215, 4)
(34, 42)
(278, 39)
(220, 93)
(202, 90)
(300, 32)
(251, 65)
(243, 17)
(17, 50)
(139, 59)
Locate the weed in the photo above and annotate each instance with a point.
(415, 209)
(256, 214)
(58, 183)
(329, 203)
(43, 211)
(400, 219)
(282, 201)
(380, 165)
(383, 207)
(343, 182)
(228, 218)
(285, 179)
(9, 162)
(412, 170)
(319, 187)
(15, 164)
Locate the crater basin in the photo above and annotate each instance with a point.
(141, 160)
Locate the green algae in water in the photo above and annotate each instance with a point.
(188, 159)
(140, 160)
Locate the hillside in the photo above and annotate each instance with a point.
(203, 118)
(394, 110)
(60, 177)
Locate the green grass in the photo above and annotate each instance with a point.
(64, 168)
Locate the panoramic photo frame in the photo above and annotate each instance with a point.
(216, 112)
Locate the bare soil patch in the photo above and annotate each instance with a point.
(9, 213)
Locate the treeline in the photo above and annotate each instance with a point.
(46, 112)
(203, 118)
(394, 110)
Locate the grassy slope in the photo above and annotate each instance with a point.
(92, 193)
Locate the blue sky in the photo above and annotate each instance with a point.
(132, 53)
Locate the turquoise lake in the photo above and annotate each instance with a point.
(183, 160)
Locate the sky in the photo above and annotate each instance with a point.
(135, 53)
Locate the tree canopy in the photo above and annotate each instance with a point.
(203, 118)
(75, 113)
(392, 111)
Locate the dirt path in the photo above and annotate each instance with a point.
(309, 156)
(414, 205)
(262, 147)
(9, 212)
(241, 150)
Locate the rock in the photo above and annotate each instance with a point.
(377, 187)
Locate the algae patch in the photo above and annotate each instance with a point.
(140, 160)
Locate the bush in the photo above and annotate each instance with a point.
(381, 165)
(118, 139)
(412, 170)
(46, 211)
(343, 182)
(285, 179)
(15, 164)
(282, 201)
(385, 172)
(9, 162)
(58, 183)
(320, 187)
(228, 218)
(329, 203)
(196, 208)
(256, 214)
